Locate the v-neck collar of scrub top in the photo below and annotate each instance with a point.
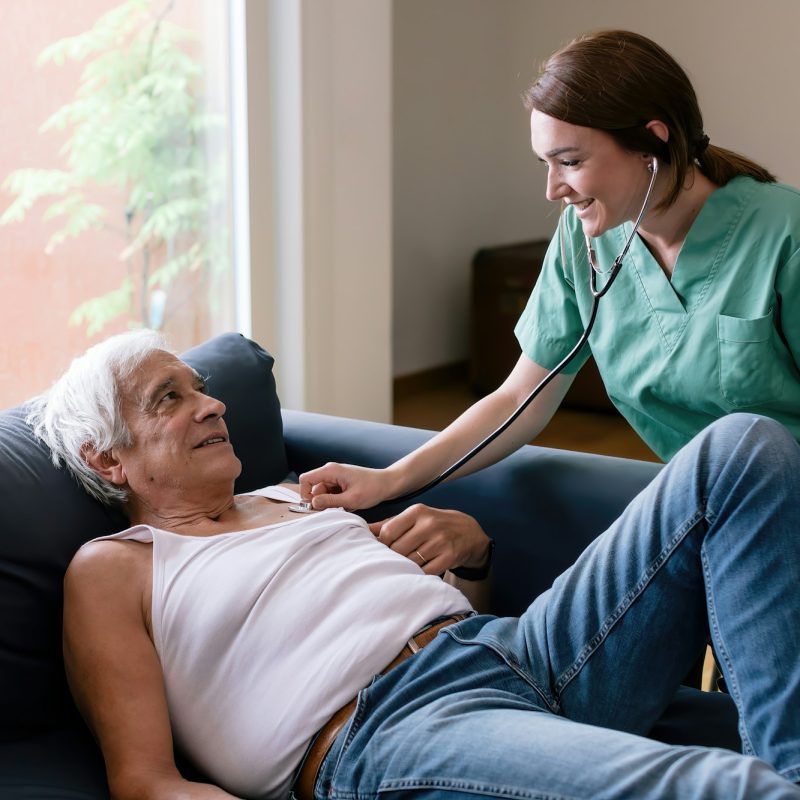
(673, 301)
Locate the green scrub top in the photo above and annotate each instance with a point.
(722, 335)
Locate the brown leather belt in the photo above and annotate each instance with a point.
(304, 785)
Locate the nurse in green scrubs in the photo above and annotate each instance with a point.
(681, 342)
(701, 321)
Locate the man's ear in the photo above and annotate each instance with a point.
(105, 464)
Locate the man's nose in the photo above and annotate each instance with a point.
(210, 407)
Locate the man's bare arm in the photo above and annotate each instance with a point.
(115, 675)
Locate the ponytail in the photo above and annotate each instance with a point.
(720, 166)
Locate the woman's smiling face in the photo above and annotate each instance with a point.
(587, 169)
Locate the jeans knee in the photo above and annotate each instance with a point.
(738, 423)
(742, 424)
(762, 439)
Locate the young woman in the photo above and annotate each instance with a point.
(702, 319)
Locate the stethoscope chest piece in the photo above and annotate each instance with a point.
(301, 508)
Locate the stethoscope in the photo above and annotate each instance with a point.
(594, 272)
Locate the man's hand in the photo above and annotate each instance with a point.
(343, 485)
(435, 539)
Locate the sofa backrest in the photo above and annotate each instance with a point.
(45, 516)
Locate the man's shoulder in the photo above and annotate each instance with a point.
(101, 563)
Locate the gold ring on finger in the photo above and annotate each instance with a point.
(421, 558)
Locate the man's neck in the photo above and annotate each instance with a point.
(222, 515)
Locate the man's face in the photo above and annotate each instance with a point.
(179, 439)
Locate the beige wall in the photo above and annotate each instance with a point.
(463, 177)
(463, 174)
(347, 205)
(320, 212)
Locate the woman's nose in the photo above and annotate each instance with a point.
(556, 188)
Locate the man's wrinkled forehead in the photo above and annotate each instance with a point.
(159, 372)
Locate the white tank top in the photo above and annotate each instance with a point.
(264, 634)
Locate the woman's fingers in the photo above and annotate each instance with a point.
(341, 486)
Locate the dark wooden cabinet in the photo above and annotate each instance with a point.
(502, 280)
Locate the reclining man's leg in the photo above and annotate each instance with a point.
(501, 708)
(471, 744)
(713, 544)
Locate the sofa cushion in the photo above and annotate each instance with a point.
(56, 764)
(45, 517)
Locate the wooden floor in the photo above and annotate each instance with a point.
(433, 399)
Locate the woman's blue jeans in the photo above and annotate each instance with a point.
(555, 704)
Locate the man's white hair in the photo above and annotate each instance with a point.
(82, 410)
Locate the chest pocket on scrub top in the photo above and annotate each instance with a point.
(749, 369)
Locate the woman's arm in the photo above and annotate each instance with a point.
(359, 487)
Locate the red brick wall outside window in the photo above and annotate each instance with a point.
(39, 290)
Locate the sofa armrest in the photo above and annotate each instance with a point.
(542, 506)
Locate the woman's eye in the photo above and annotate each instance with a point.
(570, 163)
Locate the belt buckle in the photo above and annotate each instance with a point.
(436, 625)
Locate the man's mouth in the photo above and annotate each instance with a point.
(211, 440)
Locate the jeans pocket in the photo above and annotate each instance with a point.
(749, 372)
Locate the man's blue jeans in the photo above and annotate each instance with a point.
(555, 704)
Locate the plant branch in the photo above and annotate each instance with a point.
(154, 35)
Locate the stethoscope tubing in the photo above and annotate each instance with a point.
(504, 426)
(537, 390)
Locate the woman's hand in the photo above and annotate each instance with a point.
(343, 485)
(435, 539)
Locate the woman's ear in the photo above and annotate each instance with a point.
(105, 464)
(659, 129)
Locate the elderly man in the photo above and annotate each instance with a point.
(241, 628)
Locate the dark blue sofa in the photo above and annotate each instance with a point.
(541, 506)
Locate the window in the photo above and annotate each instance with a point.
(116, 212)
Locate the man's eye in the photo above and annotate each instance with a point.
(169, 396)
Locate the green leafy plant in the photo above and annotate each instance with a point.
(137, 125)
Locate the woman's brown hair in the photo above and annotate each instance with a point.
(617, 82)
